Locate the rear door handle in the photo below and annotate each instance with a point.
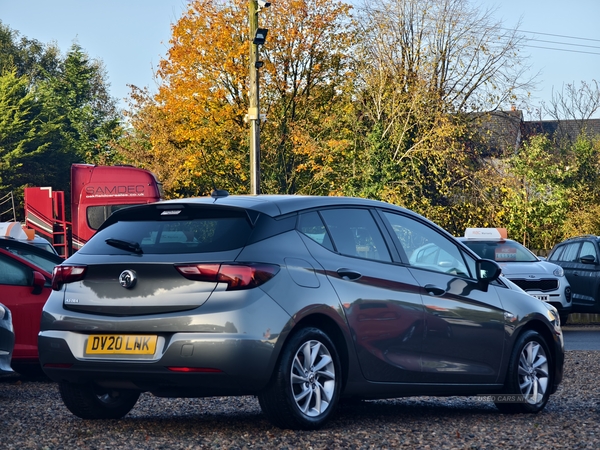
(349, 274)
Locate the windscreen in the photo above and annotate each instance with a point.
(501, 251)
(43, 259)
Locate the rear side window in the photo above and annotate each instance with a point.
(311, 225)
(355, 233)
(567, 253)
(208, 232)
(556, 253)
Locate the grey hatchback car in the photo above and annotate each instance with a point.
(301, 301)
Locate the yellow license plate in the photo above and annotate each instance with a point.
(116, 344)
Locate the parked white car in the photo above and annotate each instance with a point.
(537, 277)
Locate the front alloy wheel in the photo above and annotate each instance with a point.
(305, 388)
(529, 376)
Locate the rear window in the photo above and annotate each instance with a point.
(220, 231)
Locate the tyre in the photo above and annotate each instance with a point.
(90, 402)
(529, 377)
(305, 388)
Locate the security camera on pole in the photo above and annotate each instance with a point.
(258, 37)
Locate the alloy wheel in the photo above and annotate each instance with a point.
(533, 372)
(313, 378)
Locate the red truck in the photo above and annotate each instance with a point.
(96, 191)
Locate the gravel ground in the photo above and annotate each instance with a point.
(32, 416)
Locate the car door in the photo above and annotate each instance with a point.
(380, 298)
(25, 301)
(568, 257)
(586, 274)
(464, 321)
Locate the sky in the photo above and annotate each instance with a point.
(131, 36)
(563, 41)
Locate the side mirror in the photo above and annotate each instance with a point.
(487, 270)
(588, 259)
(38, 283)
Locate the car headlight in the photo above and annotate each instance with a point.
(558, 272)
(553, 318)
(3, 312)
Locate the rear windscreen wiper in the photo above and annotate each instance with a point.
(125, 245)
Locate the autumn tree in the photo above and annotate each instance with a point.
(192, 133)
(196, 119)
(423, 66)
(308, 86)
(583, 185)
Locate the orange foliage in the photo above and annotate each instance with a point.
(192, 131)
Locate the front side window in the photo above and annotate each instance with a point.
(426, 248)
(588, 249)
(46, 263)
(355, 233)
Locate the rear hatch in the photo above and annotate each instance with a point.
(155, 259)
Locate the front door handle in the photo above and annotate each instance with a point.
(349, 274)
(434, 290)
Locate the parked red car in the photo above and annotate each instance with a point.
(25, 275)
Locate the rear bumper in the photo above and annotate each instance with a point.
(192, 364)
(227, 346)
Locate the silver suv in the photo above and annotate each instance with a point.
(539, 278)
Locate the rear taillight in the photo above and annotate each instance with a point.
(66, 274)
(237, 276)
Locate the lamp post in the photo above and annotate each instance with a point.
(258, 37)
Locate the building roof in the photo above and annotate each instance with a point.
(503, 131)
(562, 129)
